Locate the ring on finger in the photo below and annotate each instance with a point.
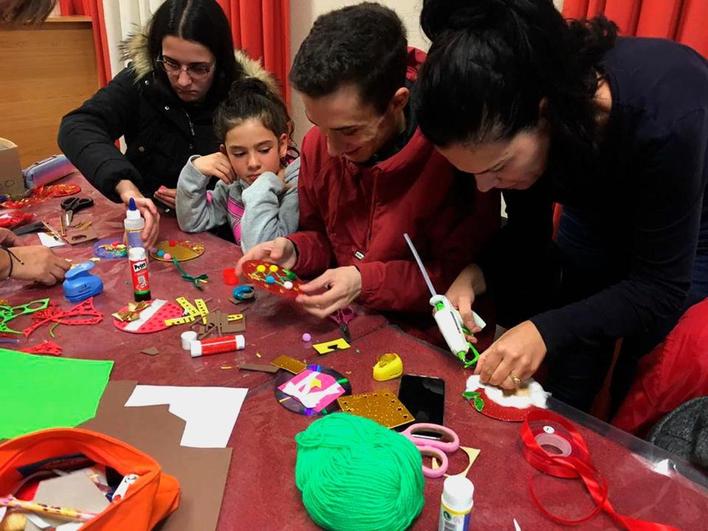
(515, 379)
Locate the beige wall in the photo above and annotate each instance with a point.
(303, 14)
(47, 70)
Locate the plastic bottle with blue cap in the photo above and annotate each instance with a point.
(134, 224)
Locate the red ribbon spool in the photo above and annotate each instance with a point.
(572, 461)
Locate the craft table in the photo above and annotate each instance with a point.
(274, 326)
(260, 491)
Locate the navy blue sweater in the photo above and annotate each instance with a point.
(647, 201)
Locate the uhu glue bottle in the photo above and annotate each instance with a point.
(456, 504)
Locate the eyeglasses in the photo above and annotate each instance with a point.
(194, 70)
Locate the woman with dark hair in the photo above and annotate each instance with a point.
(162, 103)
(613, 129)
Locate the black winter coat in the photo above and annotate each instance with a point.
(161, 132)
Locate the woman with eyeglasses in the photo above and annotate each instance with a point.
(162, 104)
(614, 129)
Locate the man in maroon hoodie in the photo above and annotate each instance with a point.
(368, 175)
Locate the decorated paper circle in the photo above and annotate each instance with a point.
(493, 410)
(182, 250)
(293, 404)
(501, 406)
(152, 318)
(272, 278)
(110, 249)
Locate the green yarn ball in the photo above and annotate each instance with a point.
(356, 475)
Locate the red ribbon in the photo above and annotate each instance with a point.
(578, 464)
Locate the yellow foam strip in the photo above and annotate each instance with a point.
(202, 309)
(187, 306)
(181, 320)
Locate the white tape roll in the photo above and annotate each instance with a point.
(187, 338)
(554, 441)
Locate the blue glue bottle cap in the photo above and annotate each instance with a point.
(133, 212)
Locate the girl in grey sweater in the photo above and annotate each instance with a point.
(257, 188)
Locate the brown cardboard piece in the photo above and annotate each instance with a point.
(11, 180)
(74, 490)
(223, 325)
(154, 430)
(258, 367)
(76, 236)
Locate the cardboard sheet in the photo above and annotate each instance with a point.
(210, 412)
(75, 491)
(201, 472)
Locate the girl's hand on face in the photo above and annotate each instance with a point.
(168, 196)
(216, 165)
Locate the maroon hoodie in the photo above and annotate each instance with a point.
(351, 214)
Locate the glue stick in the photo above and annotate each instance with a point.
(217, 345)
(456, 504)
(139, 273)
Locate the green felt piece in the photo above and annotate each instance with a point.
(38, 392)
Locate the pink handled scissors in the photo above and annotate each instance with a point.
(448, 443)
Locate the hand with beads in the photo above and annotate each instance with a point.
(29, 262)
(280, 251)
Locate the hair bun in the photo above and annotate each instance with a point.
(438, 16)
(249, 85)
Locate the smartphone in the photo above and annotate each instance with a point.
(424, 396)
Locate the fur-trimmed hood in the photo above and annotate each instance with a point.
(135, 50)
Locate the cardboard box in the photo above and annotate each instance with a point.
(11, 180)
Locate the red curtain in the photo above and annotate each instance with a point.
(259, 27)
(262, 29)
(681, 20)
(93, 9)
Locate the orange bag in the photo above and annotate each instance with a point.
(150, 499)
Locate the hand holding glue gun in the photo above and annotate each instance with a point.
(448, 318)
(455, 333)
